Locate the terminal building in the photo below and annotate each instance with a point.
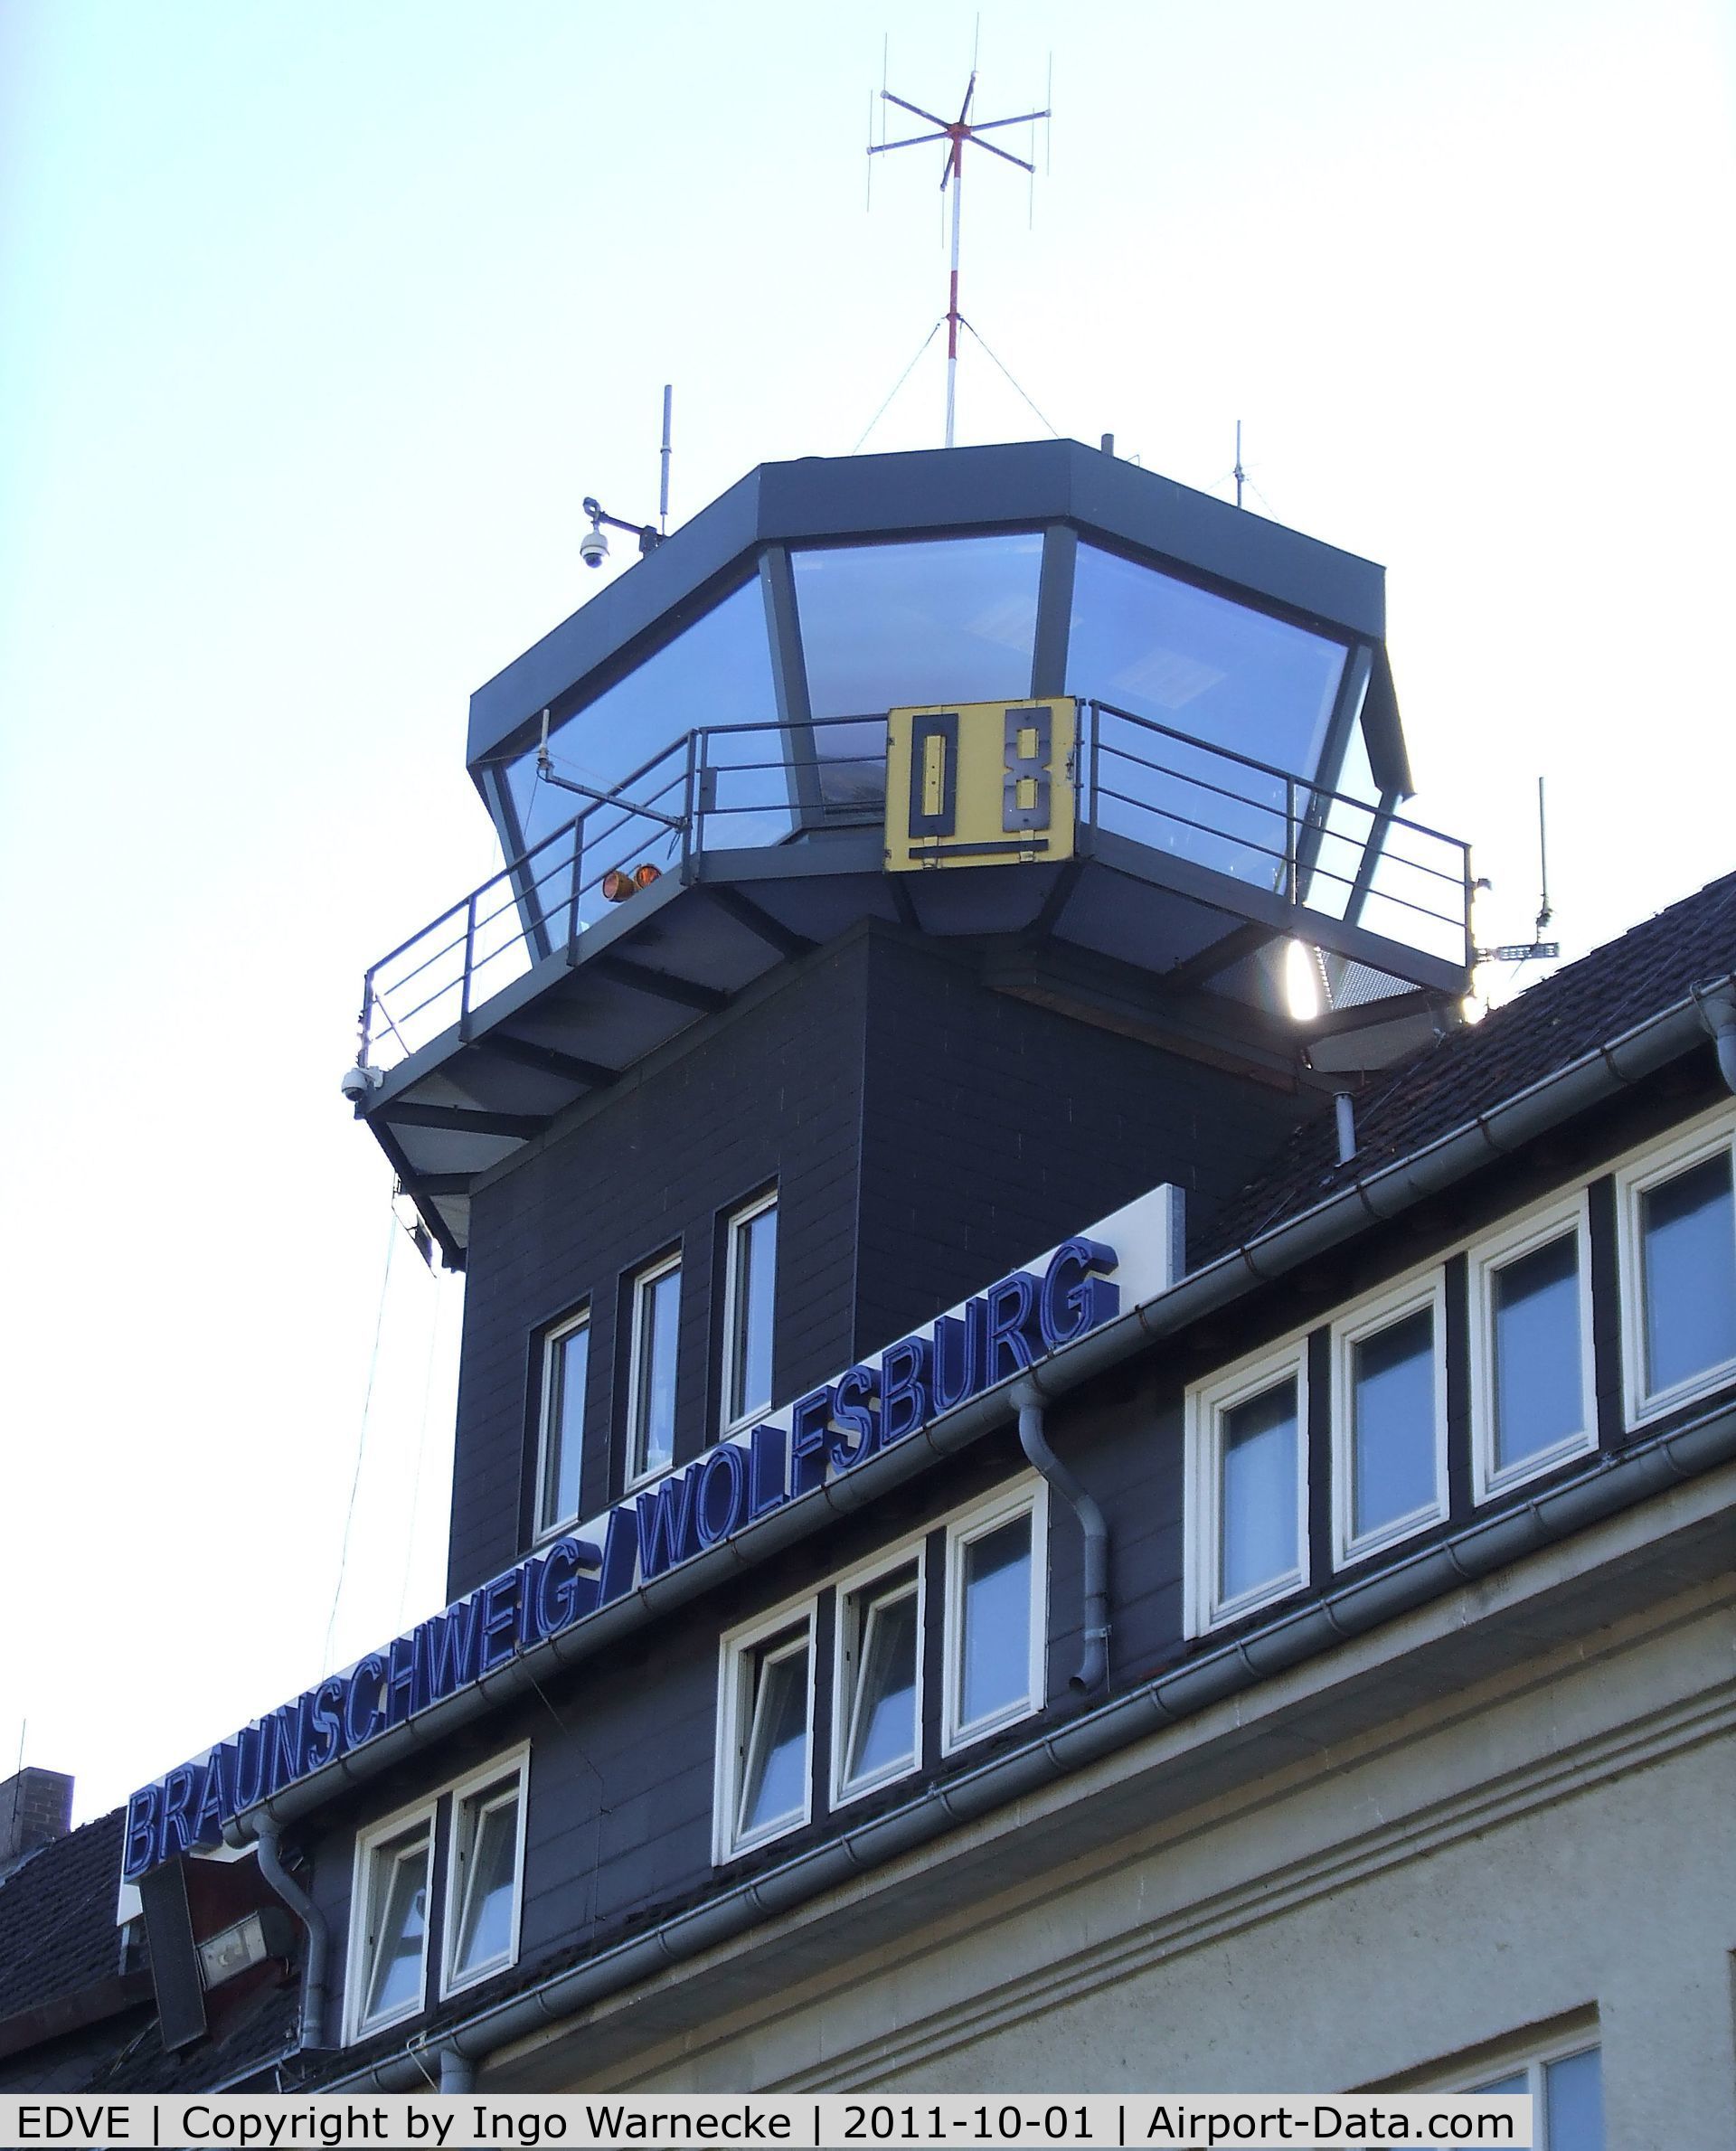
(1064, 1479)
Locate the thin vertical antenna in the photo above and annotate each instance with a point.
(663, 494)
(1241, 474)
(1544, 914)
(955, 134)
(1048, 122)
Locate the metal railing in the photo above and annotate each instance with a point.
(749, 786)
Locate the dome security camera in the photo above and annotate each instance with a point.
(357, 1081)
(593, 548)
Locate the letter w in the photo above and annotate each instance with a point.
(447, 1650)
(666, 1525)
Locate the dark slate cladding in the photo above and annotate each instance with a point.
(1584, 1005)
(769, 1092)
(926, 1135)
(993, 1127)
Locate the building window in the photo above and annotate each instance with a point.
(485, 1874)
(566, 1363)
(996, 1617)
(750, 1266)
(877, 1694)
(1678, 1235)
(1247, 1541)
(387, 1976)
(1532, 1390)
(1566, 2093)
(651, 1386)
(765, 1733)
(1389, 1422)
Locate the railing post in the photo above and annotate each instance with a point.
(690, 806)
(577, 880)
(1290, 877)
(365, 1027)
(469, 958)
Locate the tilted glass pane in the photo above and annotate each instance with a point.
(1539, 1385)
(1689, 1260)
(773, 1783)
(1517, 2086)
(884, 1710)
(939, 620)
(1212, 671)
(653, 1445)
(1573, 2103)
(486, 1929)
(400, 1887)
(1257, 1492)
(995, 1666)
(569, 1361)
(755, 1254)
(717, 672)
(1392, 1382)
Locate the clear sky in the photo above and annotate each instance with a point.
(318, 322)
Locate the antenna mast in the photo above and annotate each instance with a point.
(955, 134)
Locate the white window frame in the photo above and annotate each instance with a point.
(1028, 1495)
(514, 1767)
(856, 1582)
(737, 1219)
(358, 1964)
(735, 1725)
(553, 1340)
(643, 1279)
(1531, 2062)
(1206, 1406)
(1368, 1319)
(1523, 1236)
(1635, 1177)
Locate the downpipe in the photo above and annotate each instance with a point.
(1717, 1014)
(319, 1933)
(1094, 1655)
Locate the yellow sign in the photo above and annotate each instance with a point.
(981, 783)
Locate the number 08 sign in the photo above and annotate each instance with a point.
(984, 784)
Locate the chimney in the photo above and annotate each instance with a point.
(35, 1809)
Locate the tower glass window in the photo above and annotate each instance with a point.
(651, 1386)
(939, 620)
(1198, 667)
(566, 1363)
(750, 1266)
(718, 671)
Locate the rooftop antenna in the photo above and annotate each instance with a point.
(956, 133)
(1536, 948)
(663, 493)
